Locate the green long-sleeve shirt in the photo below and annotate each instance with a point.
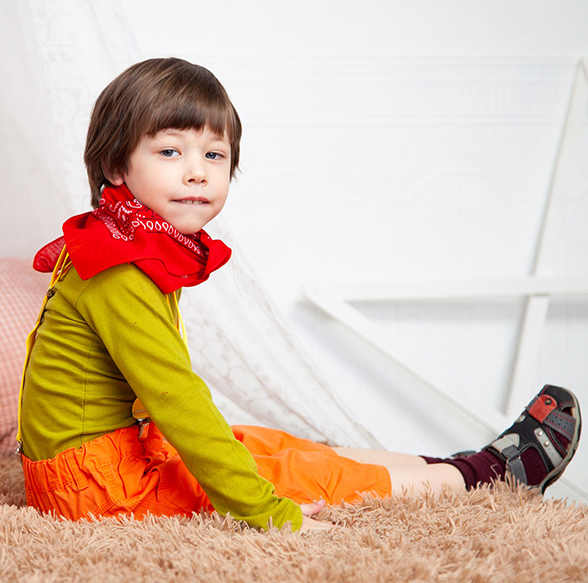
(105, 341)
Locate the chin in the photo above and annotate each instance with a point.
(189, 230)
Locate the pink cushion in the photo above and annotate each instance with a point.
(21, 294)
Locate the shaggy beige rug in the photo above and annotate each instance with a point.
(505, 534)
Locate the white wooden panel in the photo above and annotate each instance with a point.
(527, 355)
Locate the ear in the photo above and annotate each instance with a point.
(116, 180)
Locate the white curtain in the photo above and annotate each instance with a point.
(55, 58)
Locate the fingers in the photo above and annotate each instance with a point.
(312, 508)
(309, 510)
(310, 524)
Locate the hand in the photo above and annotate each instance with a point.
(309, 510)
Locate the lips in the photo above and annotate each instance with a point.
(192, 201)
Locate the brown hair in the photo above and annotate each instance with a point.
(148, 97)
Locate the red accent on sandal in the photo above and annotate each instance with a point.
(542, 407)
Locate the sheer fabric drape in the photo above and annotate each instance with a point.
(55, 58)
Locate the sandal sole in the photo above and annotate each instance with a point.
(556, 473)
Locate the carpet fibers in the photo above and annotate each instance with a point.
(505, 534)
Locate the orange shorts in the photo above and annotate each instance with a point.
(119, 474)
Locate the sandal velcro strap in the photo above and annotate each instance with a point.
(508, 446)
(562, 423)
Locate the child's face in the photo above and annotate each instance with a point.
(182, 175)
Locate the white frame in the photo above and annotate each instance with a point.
(537, 288)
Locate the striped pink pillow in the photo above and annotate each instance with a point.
(21, 294)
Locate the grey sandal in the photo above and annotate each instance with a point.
(552, 415)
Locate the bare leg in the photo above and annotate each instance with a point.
(429, 477)
(408, 472)
(380, 457)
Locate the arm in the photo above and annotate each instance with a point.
(135, 323)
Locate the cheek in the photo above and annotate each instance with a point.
(224, 198)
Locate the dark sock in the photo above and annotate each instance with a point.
(432, 460)
(480, 468)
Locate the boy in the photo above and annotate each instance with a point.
(108, 356)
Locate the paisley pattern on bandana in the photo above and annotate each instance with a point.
(123, 218)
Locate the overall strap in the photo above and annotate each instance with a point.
(61, 268)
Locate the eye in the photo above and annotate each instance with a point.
(169, 153)
(213, 155)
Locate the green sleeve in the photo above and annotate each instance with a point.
(136, 324)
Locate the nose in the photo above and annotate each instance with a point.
(195, 172)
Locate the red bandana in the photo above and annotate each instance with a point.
(122, 230)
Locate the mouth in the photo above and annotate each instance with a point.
(192, 201)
